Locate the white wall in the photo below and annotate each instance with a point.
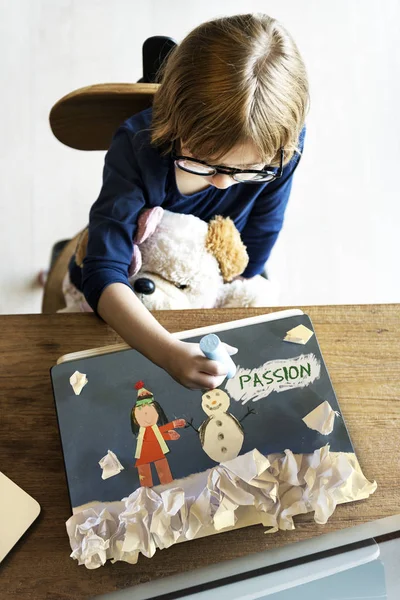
(339, 243)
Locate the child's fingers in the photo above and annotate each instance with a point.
(202, 381)
(213, 367)
(231, 349)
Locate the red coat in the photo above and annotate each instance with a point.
(151, 449)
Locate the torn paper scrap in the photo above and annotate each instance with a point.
(322, 418)
(110, 465)
(78, 382)
(298, 335)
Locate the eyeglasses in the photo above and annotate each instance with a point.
(199, 167)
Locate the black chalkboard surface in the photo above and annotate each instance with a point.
(276, 385)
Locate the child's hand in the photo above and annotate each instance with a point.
(173, 435)
(179, 423)
(188, 366)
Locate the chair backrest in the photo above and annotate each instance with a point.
(87, 118)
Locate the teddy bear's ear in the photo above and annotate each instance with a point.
(81, 247)
(147, 223)
(224, 242)
(136, 261)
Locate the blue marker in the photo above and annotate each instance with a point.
(214, 349)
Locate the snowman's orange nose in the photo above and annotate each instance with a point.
(214, 402)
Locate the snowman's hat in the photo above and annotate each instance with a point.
(143, 395)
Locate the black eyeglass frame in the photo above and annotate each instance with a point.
(230, 170)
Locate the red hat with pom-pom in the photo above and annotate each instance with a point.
(143, 395)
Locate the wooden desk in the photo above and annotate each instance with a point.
(361, 347)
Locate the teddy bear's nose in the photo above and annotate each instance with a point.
(144, 286)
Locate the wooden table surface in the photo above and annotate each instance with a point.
(361, 347)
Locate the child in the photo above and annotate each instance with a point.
(224, 137)
(151, 427)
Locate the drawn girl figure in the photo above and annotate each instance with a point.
(150, 425)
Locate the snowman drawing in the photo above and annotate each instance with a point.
(221, 434)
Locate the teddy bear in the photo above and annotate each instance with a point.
(179, 261)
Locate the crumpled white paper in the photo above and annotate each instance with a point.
(95, 533)
(78, 382)
(277, 487)
(110, 465)
(322, 418)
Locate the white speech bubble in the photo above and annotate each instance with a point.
(273, 376)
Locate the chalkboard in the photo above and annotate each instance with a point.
(99, 419)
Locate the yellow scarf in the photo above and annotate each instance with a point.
(159, 437)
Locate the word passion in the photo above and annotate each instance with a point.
(273, 376)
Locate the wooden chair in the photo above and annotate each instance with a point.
(86, 119)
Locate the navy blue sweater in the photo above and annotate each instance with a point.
(137, 176)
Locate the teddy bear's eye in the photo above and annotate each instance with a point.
(181, 286)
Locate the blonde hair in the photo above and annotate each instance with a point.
(230, 81)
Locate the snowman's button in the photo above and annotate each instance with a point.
(223, 449)
(221, 436)
(218, 423)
